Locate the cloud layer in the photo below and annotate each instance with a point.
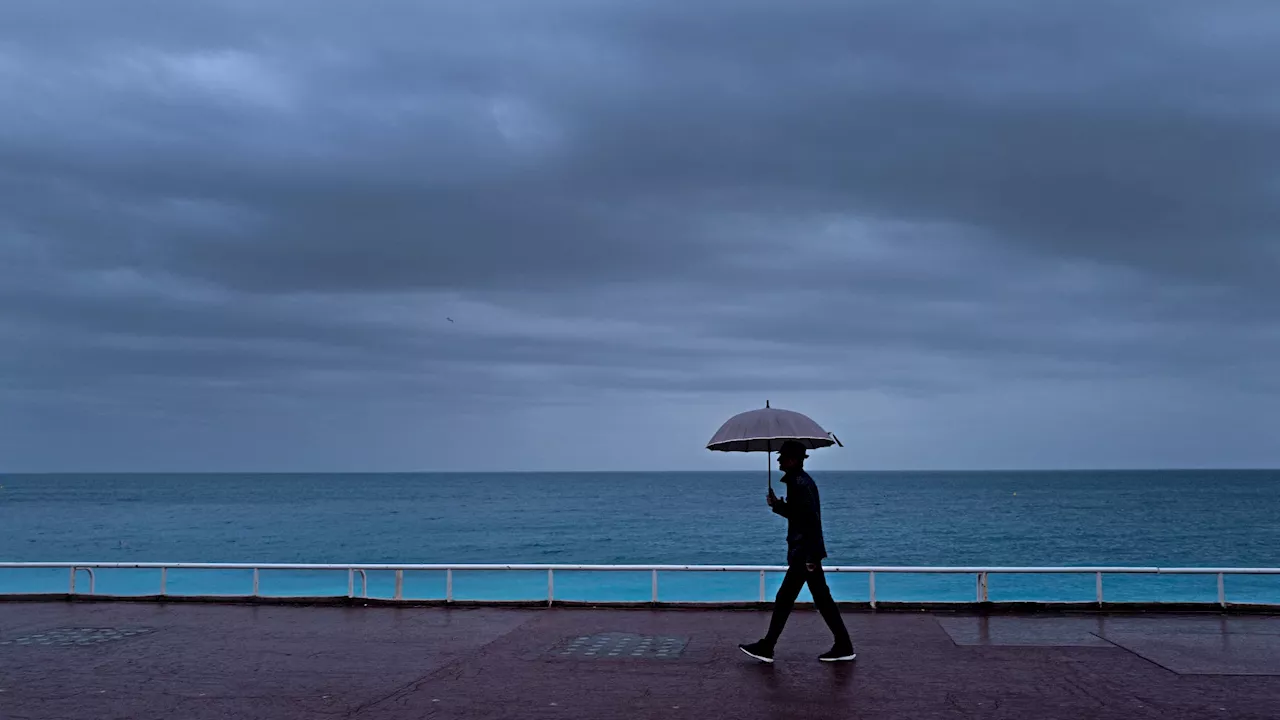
(989, 234)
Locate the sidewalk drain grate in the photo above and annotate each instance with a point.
(74, 637)
(619, 646)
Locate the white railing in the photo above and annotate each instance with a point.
(981, 573)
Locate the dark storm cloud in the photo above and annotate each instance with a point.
(215, 204)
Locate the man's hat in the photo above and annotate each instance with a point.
(793, 448)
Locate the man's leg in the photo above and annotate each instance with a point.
(827, 606)
(785, 600)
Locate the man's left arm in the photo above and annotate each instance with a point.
(778, 505)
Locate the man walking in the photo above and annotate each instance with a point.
(805, 552)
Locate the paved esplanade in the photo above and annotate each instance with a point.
(189, 661)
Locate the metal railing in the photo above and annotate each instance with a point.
(981, 574)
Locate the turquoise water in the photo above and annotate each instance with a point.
(1182, 518)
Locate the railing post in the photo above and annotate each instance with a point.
(871, 582)
(255, 582)
(93, 581)
(448, 585)
(1222, 591)
(164, 581)
(551, 586)
(1098, 583)
(761, 586)
(654, 595)
(982, 587)
(351, 582)
(399, 584)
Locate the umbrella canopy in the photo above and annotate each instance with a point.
(765, 430)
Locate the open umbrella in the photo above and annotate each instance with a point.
(765, 430)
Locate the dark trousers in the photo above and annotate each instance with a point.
(797, 576)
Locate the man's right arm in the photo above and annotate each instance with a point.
(806, 511)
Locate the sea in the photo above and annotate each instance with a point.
(1189, 518)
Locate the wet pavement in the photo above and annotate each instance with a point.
(170, 661)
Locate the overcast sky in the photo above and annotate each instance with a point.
(978, 234)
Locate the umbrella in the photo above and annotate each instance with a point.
(765, 430)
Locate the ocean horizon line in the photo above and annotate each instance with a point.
(683, 471)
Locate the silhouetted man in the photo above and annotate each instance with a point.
(805, 552)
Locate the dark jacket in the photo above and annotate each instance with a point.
(803, 512)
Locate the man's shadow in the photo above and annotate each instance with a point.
(766, 673)
(842, 674)
(786, 691)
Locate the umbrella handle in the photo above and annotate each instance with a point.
(769, 468)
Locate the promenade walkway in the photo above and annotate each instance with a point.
(144, 661)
